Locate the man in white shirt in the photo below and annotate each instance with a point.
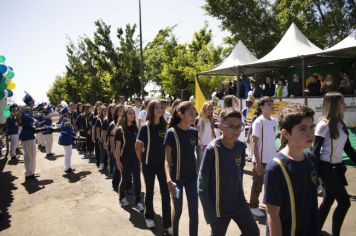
(137, 108)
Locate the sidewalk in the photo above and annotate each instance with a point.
(83, 203)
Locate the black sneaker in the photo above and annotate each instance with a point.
(69, 170)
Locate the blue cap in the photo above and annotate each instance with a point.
(13, 106)
(64, 111)
(27, 99)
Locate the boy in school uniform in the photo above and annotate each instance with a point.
(291, 179)
(219, 182)
(263, 146)
(12, 130)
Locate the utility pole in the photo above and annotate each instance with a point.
(141, 55)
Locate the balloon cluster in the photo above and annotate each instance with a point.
(6, 87)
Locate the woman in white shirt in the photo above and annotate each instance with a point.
(331, 139)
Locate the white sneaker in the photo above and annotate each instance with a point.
(256, 212)
(150, 223)
(101, 166)
(140, 207)
(124, 202)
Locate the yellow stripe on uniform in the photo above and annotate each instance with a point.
(217, 180)
(178, 153)
(291, 195)
(148, 142)
(123, 140)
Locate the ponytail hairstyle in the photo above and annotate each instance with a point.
(182, 107)
(123, 119)
(151, 112)
(331, 112)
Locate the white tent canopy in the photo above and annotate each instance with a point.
(288, 52)
(345, 48)
(240, 55)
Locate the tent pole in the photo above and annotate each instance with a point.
(303, 81)
(238, 87)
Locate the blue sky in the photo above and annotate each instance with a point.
(34, 33)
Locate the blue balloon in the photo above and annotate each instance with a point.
(3, 69)
(9, 93)
(10, 68)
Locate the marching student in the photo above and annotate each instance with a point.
(150, 151)
(331, 140)
(115, 123)
(100, 132)
(12, 130)
(166, 114)
(231, 101)
(291, 179)
(110, 137)
(65, 139)
(27, 136)
(126, 159)
(248, 113)
(220, 183)
(137, 108)
(142, 114)
(263, 146)
(47, 132)
(92, 120)
(181, 164)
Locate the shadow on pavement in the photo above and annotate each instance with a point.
(53, 158)
(75, 177)
(35, 185)
(7, 187)
(15, 162)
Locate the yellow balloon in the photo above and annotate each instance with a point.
(11, 85)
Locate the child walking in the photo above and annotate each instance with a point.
(66, 138)
(331, 140)
(181, 164)
(220, 182)
(126, 159)
(150, 151)
(291, 179)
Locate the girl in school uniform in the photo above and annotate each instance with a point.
(331, 139)
(113, 127)
(126, 159)
(181, 164)
(110, 127)
(150, 151)
(92, 119)
(100, 136)
(65, 139)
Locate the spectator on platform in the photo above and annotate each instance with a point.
(256, 90)
(268, 87)
(281, 89)
(296, 87)
(328, 85)
(314, 86)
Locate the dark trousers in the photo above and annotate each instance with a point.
(243, 219)
(97, 152)
(116, 177)
(90, 144)
(192, 198)
(257, 183)
(130, 165)
(334, 189)
(103, 154)
(112, 161)
(149, 174)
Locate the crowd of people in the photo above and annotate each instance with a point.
(280, 88)
(204, 156)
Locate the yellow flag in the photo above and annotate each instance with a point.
(199, 96)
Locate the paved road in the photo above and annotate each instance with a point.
(83, 203)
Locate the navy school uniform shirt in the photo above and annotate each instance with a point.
(66, 135)
(226, 199)
(304, 179)
(105, 124)
(156, 149)
(12, 126)
(98, 124)
(47, 123)
(188, 140)
(109, 130)
(130, 134)
(27, 121)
